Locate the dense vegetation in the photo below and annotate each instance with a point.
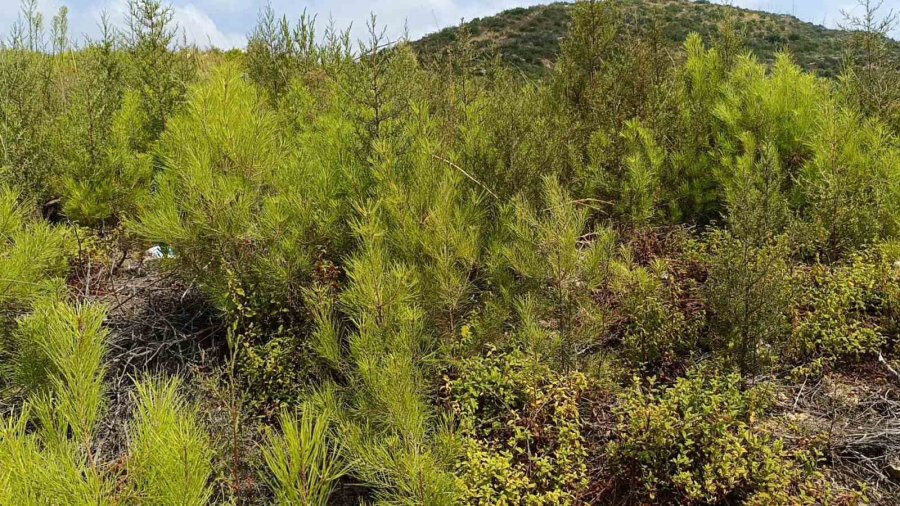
(646, 277)
(528, 38)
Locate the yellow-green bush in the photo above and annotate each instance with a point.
(656, 330)
(169, 456)
(521, 430)
(49, 451)
(302, 467)
(844, 310)
(851, 186)
(701, 441)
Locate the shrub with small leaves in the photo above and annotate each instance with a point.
(522, 431)
(700, 441)
(655, 329)
(842, 309)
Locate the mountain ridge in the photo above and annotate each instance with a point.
(528, 38)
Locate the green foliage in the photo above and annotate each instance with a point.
(844, 310)
(521, 430)
(32, 473)
(754, 197)
(169, 455)
(699, 440)
(60, 360)
(228, 201)
(780, 107)
(870, 61)
(748, 295)
(512, 134)
(850, 184)
(656, 329)
(33, 255)
(278, 53)
(555, 255)
(371, 231)
(302, 468)
(387, 430)
(28, 106)
(160, 72)
(644, 165)
(105, 170)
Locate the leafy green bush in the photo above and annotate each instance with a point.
(521, 429)
(34, 472)
(656, 330)
(844, 310)
(107, 170)
(375, 337)
(700, 441)
(159, 69)
(60, 361)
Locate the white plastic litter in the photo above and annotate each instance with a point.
(158, 253)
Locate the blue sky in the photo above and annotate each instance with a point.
(225, 23)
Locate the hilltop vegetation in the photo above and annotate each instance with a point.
(528, 38)
(320, 272)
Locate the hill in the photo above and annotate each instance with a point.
(529, 38)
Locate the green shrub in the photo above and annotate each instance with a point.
(748, 294)
(656, 330)
(33, 473)
(558, 259)
(29, 104)
(643, 169)
(700, 441)
(159, 70)
(521, 430)
(844, 310)
(60, 356)
(48, 452)
(107, 171)
(386, 426)
(47, 448)
(850, 186)
(103, 166)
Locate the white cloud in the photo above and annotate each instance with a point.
(195, 23)
(200, 29)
